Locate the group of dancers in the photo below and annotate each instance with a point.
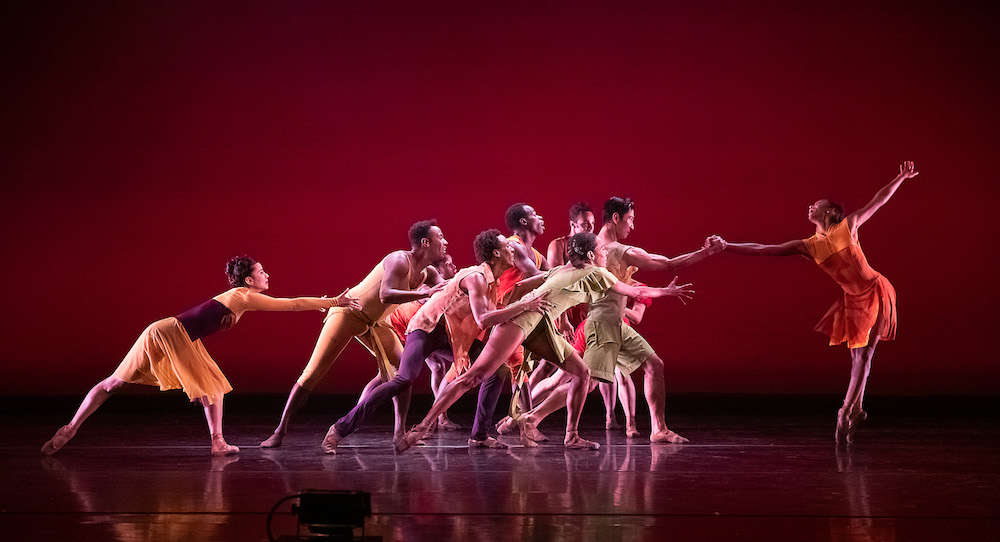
(555, 326)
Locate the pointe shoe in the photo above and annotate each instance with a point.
(507, 426)
(62, 436)
(331, 441)
(611, 423)
(842, 423)
(488, 442)
(410, 439)
(667, 437)
(273, 441)
(220, 447)
(852, 424)
(530, 431)
(448, 425)
(631, 431)
(574, 442)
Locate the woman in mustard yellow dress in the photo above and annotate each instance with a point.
(169, 353)
(866, 312)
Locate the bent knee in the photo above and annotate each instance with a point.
(112, 384)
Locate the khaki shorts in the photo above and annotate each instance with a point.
(610, 346)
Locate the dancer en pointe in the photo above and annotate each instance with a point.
(394, 280)
(579, 281)
(866, 312)
(170, 354)
(451, 321)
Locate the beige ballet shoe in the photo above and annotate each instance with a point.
(220, 447)
(631, 431)
(840, 435)
(448, 425)
(331, 441)
(411, 438)
(489, 442)
(667, 437)
(611, 423)
(574, 442)
(852, 424)
(507, 426)
(62, 436)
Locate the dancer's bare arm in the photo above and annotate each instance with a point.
(394, 288)
(261, 302)
(790, 248)
(657, 262)
(681, 292)
(859, 217)
(475, 285)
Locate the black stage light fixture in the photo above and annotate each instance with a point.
(328, 514)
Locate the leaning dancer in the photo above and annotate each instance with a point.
(452, 320)
(579, 281)
(170, 354)
(393, 281)
(866, 313)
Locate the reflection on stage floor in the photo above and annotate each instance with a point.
(142, 473)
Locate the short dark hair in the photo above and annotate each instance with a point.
(579, 246)
(421, 230)
(617, 205)
(578, 209)
(238, 269)
(514, 215)
(485, 243)
(836, 212)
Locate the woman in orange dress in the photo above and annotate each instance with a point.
(169, 353)
(866, 312)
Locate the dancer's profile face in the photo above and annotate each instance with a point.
(506, 252)
(535, 223)
(819, 210)
(258, 279)
(447, 267)
(625, 224)
(584, 223)
(437, 244)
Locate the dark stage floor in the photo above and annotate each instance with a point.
(756, 469)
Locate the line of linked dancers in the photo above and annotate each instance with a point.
(555, 326)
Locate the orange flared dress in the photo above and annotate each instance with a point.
(868, 304)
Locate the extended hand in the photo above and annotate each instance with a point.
(715, 244)
(344, 300)
(907, 171)
(538, 304)
(682, 292)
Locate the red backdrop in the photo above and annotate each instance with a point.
(144, 145)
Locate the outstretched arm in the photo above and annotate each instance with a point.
(261, 302)
(682, 292)
(859, 217)
(656, 262)
(475, 285)
(790, 248)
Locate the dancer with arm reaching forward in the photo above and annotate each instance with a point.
(392, 281)
(451, 321)
(170, 354)
(579, 281)
(866, 312)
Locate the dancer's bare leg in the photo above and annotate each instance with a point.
(609, 393)
(502, 343)
(91, 402)
(656, 398)
(400, 406)
(579, 387)
(852, 412)
(296, 399)
(626, 395)
(213, 414)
